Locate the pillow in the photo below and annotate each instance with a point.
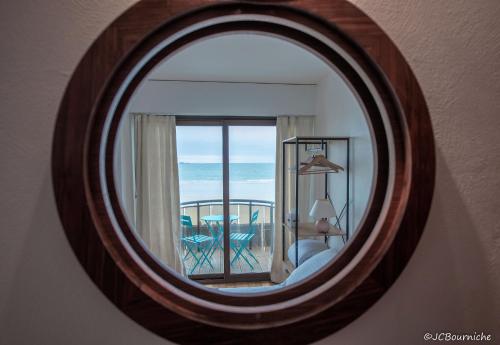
(311, 266)
(307, 249)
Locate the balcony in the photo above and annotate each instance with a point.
(260, 245)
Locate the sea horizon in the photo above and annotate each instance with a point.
(203, 181)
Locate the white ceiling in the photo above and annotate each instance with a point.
(243, 58)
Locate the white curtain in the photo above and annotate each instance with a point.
(157, 187)
(287, 127)
(124, 167)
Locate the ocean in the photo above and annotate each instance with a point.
(203, 181)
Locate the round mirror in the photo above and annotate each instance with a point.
(247, 170)
(244, 162)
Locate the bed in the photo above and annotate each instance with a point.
(307, 268)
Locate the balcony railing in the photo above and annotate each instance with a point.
(243, 208)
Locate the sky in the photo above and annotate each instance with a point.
(247, 144)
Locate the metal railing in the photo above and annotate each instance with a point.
(243, 208)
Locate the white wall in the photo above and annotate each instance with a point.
(338, 113)
(235, 99)
(451, 283)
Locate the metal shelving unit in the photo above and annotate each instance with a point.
(304, 142)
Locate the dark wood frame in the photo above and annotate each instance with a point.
(225, 122)
(148, 292)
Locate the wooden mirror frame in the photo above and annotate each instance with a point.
(173, 307)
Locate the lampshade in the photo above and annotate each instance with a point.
(322, 208)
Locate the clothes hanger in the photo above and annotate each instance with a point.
(319, 161)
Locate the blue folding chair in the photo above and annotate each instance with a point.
(217, 233)
(195, 244)
(240, 242)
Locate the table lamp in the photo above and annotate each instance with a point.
(322, 211)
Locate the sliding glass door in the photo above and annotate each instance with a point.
(252, 162)
(199, 157)
(226, 180)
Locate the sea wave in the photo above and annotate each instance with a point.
(253, 181)
(231, 181)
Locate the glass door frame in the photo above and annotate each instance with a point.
(225, 122)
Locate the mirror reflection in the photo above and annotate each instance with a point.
(244, 162)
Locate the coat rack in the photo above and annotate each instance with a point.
(319, 164)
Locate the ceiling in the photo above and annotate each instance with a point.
(243, 58)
